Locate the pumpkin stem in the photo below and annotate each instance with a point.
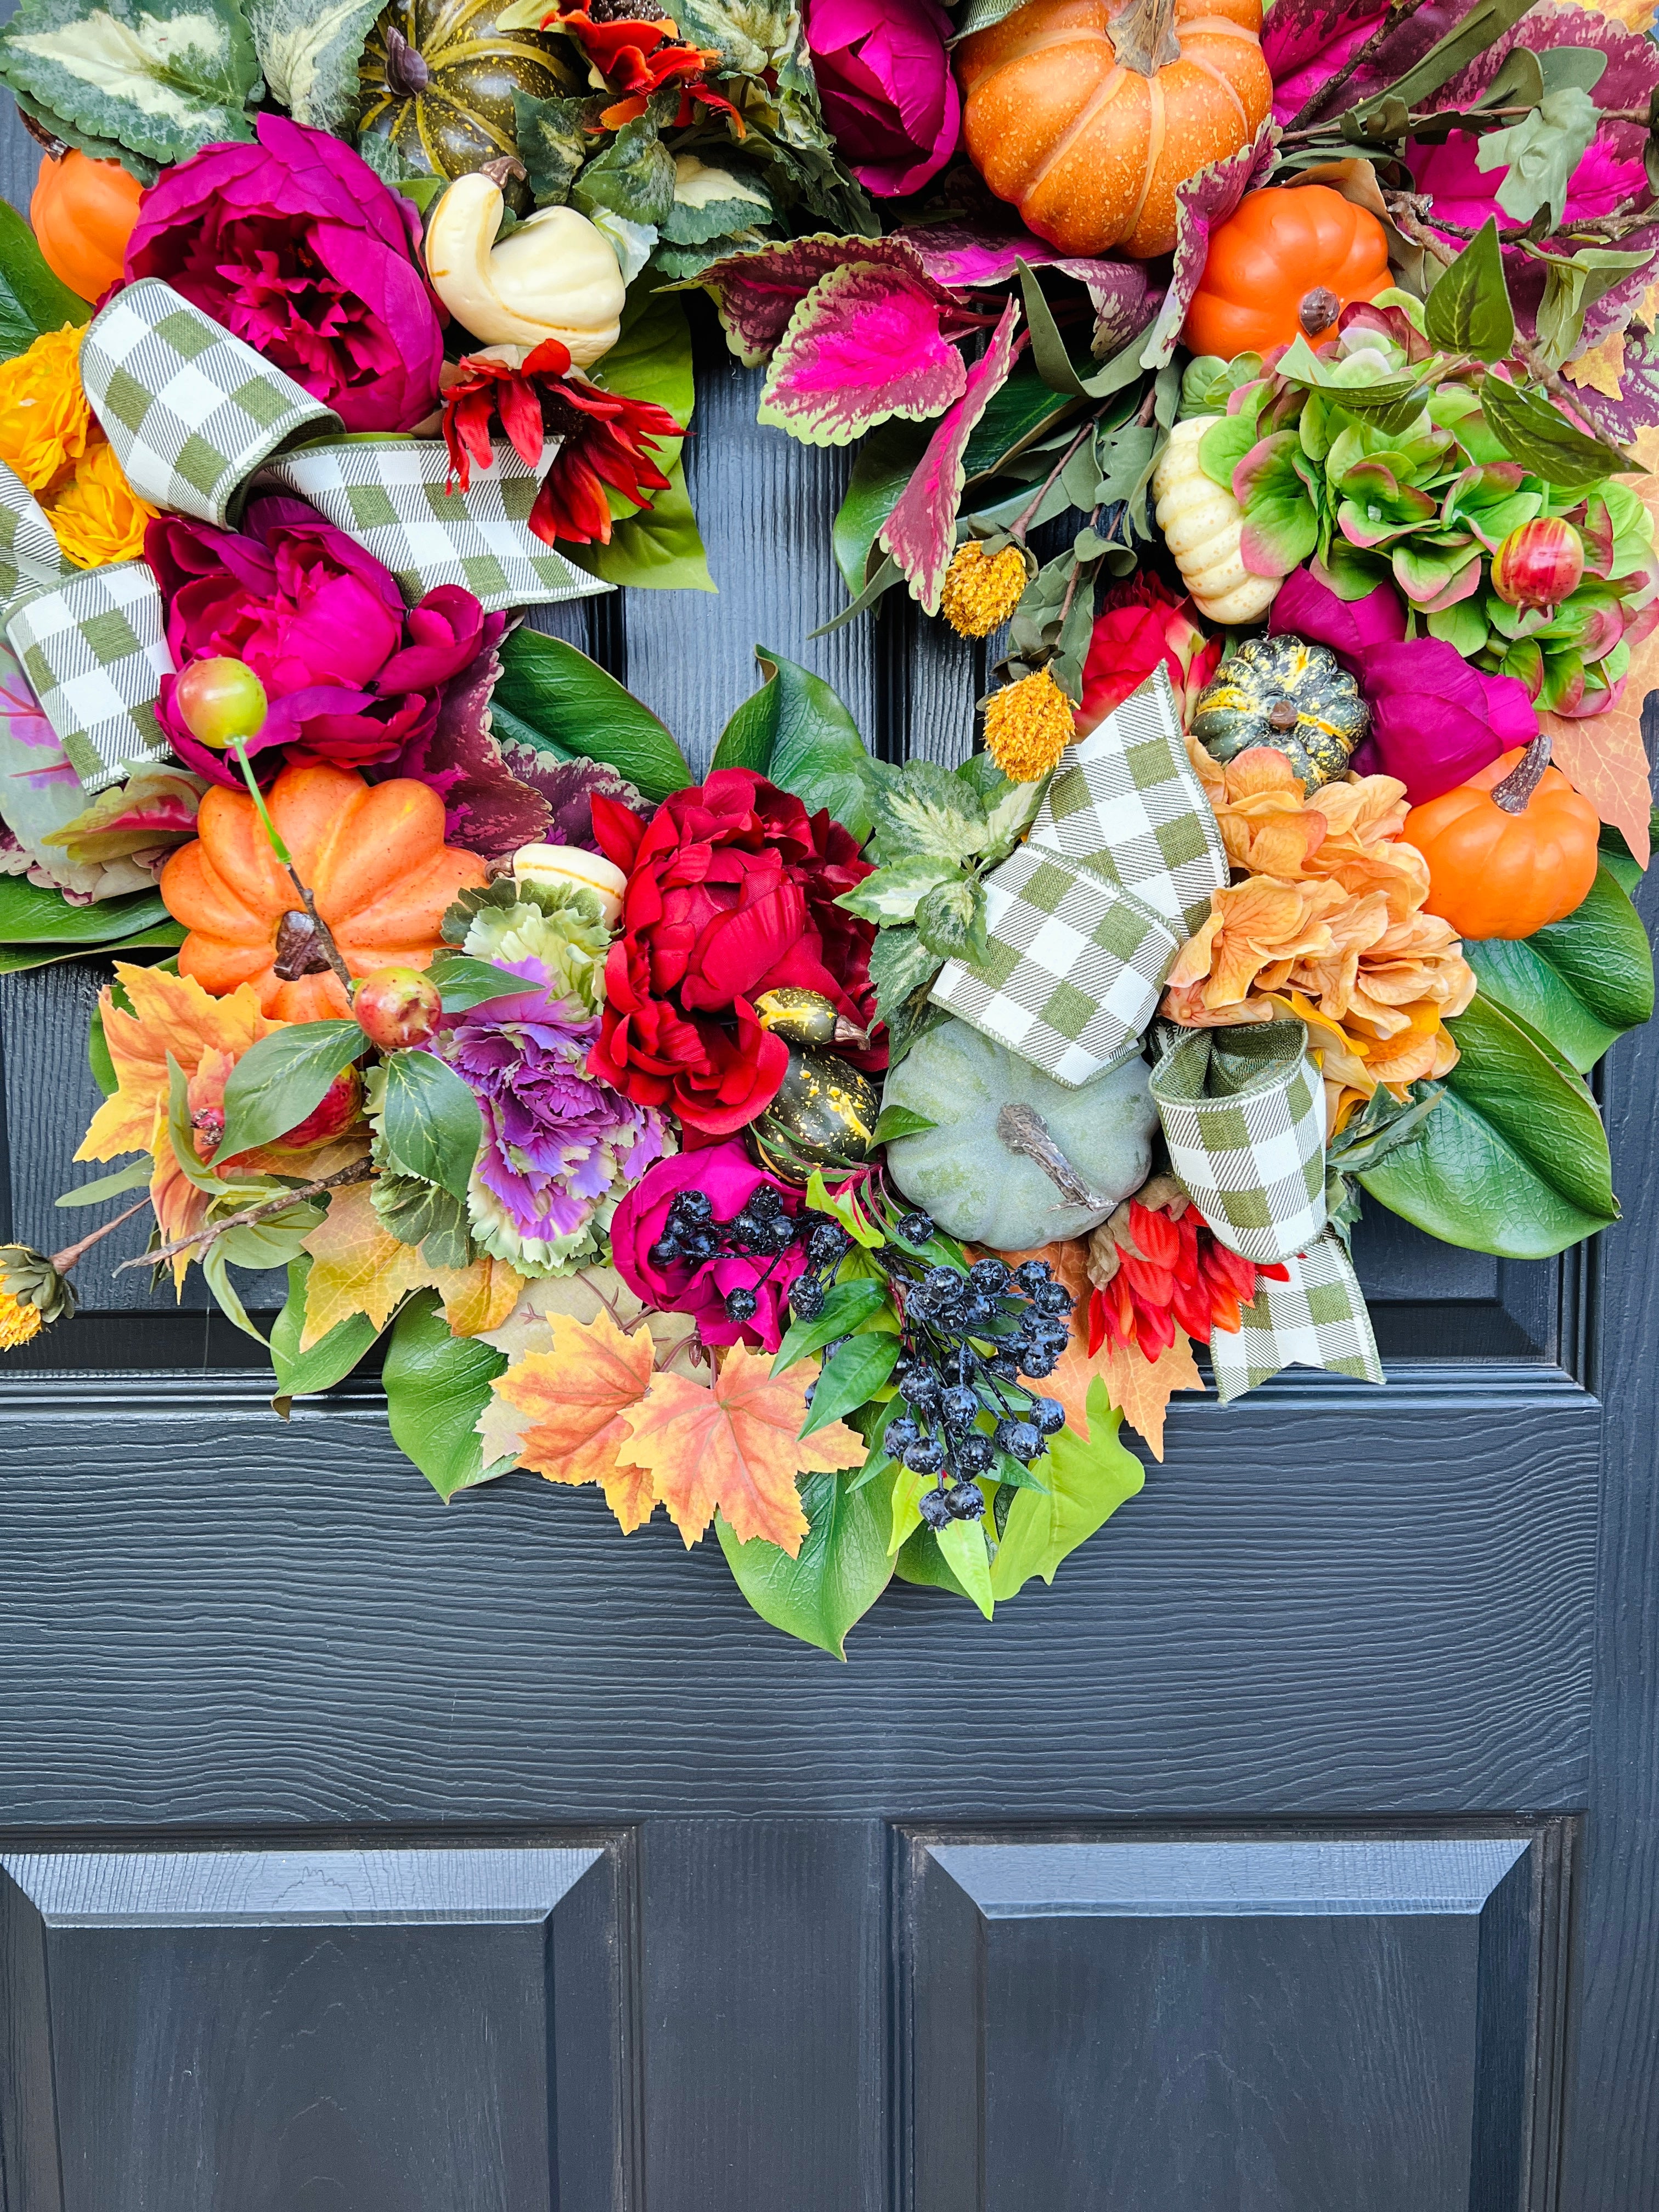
(1282, 715)
(407, 73)
(1319, 310)
(1515, 793)
(57, 148)
(1023, 1131)
(1143, 36)
(504, 170)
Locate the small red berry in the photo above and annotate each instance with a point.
(398, 1006)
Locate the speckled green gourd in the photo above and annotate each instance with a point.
(978, 1185)
(823, 1115)
(1289, 696)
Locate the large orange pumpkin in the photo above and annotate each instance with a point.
(1087, 116)
(1510, 851)
(1285, 263)
(372, 857)
(83, 212)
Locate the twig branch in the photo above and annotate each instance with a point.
(359, 1171)
(63, 1261)
(1017, 529)
(1323, 95)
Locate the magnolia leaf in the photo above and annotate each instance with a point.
(1090, 1474)
(981, 15)
(865, 345)
(1581, 982)
(163, 79)
(32, 300)
(795, 731)
(437, 1386)
(893, 894)
(552, 695)
(572, 1402)
(921, 532)
(659, 549)
(1468, 310)
(277, 1082)
(429, 1119)
(32, 915)
(309, 56)
(841, 1568)
(735, 1447)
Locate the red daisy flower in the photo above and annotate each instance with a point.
(1172, 1273)
(638, 53)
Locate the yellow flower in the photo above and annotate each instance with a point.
(1028, 725)
(980, 592)
(45, 420)
(98, 517)
(19, 1322)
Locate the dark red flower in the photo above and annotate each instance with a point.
(1173, 1274)
(731, 892)
(602, 438)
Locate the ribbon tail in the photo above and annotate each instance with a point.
(1317, 1319)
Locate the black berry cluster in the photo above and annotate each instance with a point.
(759, 1230)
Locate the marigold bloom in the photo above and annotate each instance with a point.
(98, 517)
(19, 1322)
(1028, 725)
(45, 420)
(981, 590)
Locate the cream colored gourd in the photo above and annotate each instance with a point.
(1202, 524)
(556, 277)
(582, 870)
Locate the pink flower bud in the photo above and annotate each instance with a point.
(1539, 565)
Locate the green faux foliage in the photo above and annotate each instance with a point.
(161, 80)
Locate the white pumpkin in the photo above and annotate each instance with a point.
(1202, 525)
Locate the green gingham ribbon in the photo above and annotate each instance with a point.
(1243, 1115)
(1317, 1319)
(1085, 919)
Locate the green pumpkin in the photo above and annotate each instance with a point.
(1289, 696)
(823, 1116)
(439, 77)
(1015, 1160)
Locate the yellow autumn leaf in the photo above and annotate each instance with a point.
(359, 1267)
(171, 1015)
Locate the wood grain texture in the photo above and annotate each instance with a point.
(1326, 1598)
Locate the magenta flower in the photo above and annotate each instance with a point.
(883, 76)
(353, 676)
(730, 1177)
(1306, 608)
(1435, 719)
(295, 245)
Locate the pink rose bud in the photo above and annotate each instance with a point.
(1539, 565)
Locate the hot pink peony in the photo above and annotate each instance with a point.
(296, 246)
(730, 1178)
(353, 676)
(884, 74)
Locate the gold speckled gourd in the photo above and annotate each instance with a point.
(439, 77)
(1289, 696)
(824, 1116)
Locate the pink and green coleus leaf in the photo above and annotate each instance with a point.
(758, 292)
(965, 257)
(866, 344)
(921, 533)
(1436, 577)
(1277, 486)
(1202, 203)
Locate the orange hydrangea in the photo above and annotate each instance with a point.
(1325, 921)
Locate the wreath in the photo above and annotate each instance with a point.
(832, 1153)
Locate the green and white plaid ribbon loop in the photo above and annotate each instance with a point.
(1243, 1114)
(1085, 919)
(1318, 1319)
(1075, 968)
(96, 651)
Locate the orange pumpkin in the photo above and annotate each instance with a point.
(83, 212)
(1089, 130)
(1285, 263)
(1511, 850)
(372, 856)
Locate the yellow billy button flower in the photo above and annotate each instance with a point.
(980, 594)
(1028, 725)
(32, 1293)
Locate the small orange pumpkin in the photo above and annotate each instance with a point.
(1088, 115)
(371, 855)
(1511, 850)
(83, 212)
(1286, 261)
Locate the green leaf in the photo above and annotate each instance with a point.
(30, 915)
(1054, 364)
(277, 1082)
(896, 1122)
(1581, 982)
(436, 1387)
(652, 359)
(165, 936)
(420, 1214)
(1483, 25)
(633, 177)
(330, 1360)
(98, 1059)
(1539, 155)
(1513, 1160)
(901, 967)
(1088, 1481)
(553, 142)
(1468, 310)
(887, 459)
(557, 696)
(32, 300)
(429, 1121)
(848, 1307)
(981, 15)
(842, 1570)
(463, 983)
(1018, 412)
(950, 921)
(795, 731)
(110, 1186)
(163, 77)
(893, 894)
(925, 810)
(1534, 431)
(851, 1379)
(963, 1547)
(842, 1206)
(309, 54)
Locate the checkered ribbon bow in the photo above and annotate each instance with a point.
(1085, 919)
(1317, 1319)
(197, 421)
(1243, 1114)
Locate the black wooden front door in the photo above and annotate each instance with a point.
(1297, 1853)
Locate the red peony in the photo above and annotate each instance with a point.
(731, 892)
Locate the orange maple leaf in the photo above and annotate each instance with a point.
(573, 1399)
(737, 1449)
(171, 1014)
(1140, 1388)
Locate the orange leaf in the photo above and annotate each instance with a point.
(736, 1448)
(1143, 1388)
(574, 1397)
(170, 1014)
